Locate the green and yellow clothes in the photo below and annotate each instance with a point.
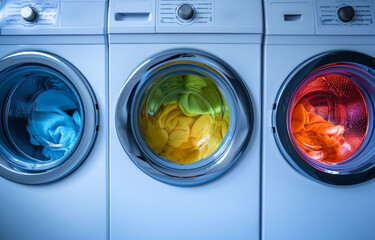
(184, 118)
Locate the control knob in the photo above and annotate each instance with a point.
(29, 14)
(186, 11)
(346, 13)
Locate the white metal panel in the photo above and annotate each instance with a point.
(129, 16)
(293, 206)
(74, 207)
(144, 208)
(294, 18)
(185, 38)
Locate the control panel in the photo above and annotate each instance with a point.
(186, 13)
(185, 16)
(320, 17)
(52, 17)
(30, 12)
(345, 17)
(357, 13)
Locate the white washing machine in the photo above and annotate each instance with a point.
(184, 109)
(52, 91)
(318, 128)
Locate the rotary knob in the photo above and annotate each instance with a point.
(186, 11)
(29, 14)
(346, 14)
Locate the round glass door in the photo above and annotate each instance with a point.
(189, 117)
(46, 107)
(182, 116)
(326, 130)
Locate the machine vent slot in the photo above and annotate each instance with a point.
(292, 17)
(131, 16)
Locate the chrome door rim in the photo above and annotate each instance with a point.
(181, 175)
(279, 121)
(90, 110)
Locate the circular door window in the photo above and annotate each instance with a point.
(324, 118)
(183, 116)
(46, 107)
(189, 115)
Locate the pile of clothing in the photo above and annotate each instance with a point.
(184, 118)
(318, 138)
(54, 123)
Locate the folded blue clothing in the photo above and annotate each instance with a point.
(50, 126)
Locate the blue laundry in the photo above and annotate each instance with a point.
(49, 125)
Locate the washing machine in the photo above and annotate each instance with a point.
(318, 128)
(52, 138)
(184, 109)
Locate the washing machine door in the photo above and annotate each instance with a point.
(324, 118)
(184, 117)
(48, 118)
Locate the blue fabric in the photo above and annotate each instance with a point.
(49, 125)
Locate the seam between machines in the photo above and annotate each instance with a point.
(106, 112)
(261, 125)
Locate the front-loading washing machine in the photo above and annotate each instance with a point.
(184, 109)
(318, 128)
(52, 91)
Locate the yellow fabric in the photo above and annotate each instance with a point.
(184, 117)
(180, 138)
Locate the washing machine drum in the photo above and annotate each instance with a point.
(48, 118)
(187, 114)
(324, 118)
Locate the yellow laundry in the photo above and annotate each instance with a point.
(180, 138)
(184, 118)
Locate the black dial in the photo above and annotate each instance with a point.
(185, 11)
(346, 14)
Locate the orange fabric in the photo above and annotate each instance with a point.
(318, 138)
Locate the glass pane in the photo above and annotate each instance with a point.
(328, 117)
(43, 116)
(184, 117)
